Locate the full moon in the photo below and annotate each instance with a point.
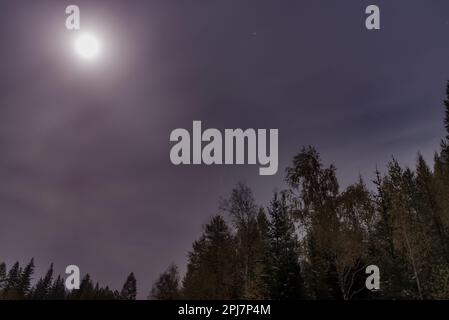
(87, 46)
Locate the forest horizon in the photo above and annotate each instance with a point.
(312, 241)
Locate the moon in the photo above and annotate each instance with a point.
(87, 46)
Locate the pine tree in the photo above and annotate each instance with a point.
(86, 290)
(167, 285)
(409, 237)
(24, 281)
(13, 276)
(211, 269)
(260, 290)
(441, 169)
(431, 210)
(42, 289)
(445, 142)
(108, 294)
(2, 276)
(285, 280)
(430, 200)
(12, 283)
(129, 290)
(396, 283)
(57, 290)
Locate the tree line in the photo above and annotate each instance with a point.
(16, 284)
(314, 240)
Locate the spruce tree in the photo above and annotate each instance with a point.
(57, 290)
(261, 284)
(42, 289)
(431, 209)
(396, 281)
(12, 282)
(129, 290)
(441, 169)
(211, 269)
(445, 142)
(108, 294)
(409, 237)
(2, 276)
(446, 118)
(285, 280)
(24, 281)
(86, 290)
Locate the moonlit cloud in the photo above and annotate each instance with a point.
(85, 174)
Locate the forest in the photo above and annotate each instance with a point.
(312, 241)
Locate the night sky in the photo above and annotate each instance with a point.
(85, 173)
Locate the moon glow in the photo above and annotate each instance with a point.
(87, 46)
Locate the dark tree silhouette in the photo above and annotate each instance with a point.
(167, 287)
(129, 290)
(283, 268)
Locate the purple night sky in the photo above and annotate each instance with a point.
(85, 173)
